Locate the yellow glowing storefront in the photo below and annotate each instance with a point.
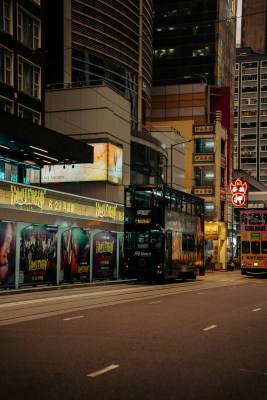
(215, 234)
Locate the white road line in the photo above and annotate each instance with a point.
(210, 327)
(68, 319)
(153, 302)
(102, 371)
(251, 371)
(257, 309)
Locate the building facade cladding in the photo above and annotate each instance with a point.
(21, 77)
(254, 25)
(251, 114)
(105, 45)
(192, 38)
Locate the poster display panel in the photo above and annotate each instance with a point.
(75, 258)
(107, 166)
(38, 254)
(104, 255)
(7, 253)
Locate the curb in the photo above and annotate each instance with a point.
(10, 291)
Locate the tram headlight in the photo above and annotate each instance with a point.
(256, 264)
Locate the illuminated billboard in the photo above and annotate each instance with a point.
(107, 166)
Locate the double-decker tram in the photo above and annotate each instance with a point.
(163, 233)
(253, 224)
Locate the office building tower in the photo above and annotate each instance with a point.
(102, 40)
(251, 114)
(193, 38)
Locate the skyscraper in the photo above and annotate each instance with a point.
(102, 40)
(193, 38)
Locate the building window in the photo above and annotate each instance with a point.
(204, 145)
(222, 210)
(6, 105)
(222, 147)
(250, 113)
(6, 66)
(222, 177)
(204, 176)
(29, 115)
(209, 208)
(5, 16)
(28, 29)
(29, 77)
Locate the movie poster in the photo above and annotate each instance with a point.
(38, 254)
(7, 253)
(104, 255)
(75, 258)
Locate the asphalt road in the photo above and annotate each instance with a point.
(203, 339)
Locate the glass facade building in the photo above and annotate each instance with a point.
(194, 38)
(104, 43)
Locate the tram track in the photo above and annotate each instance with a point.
(85, 301)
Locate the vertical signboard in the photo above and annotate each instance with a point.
(38, 254)
(7, 253)
(75, 258)
(104, 255)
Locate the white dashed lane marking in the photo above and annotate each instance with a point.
(210, 327)
(102, 371)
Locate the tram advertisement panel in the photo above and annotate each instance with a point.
(7, 253)
(75, 259)
(38, 254)
(104, 255)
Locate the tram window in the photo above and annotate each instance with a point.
(255, 248)
(244, 220)
(179, 203)
(167, 199)
(130, 240)
(173, 202)
(265, 218)
(184, 242)
(184, 205)
(156, 239)
(198, 208)
(255, 219)
(143, 198)
(193, 206)
(264, 247)
(129, 198)
(245, 247)
(191, 242)
(142, 239)
(158, 198)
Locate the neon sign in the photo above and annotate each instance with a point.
(238, 190)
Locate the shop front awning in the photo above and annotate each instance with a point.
(23, 141)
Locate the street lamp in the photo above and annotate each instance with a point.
(172, 146)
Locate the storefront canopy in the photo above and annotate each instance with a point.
(24, 141)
